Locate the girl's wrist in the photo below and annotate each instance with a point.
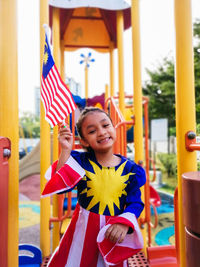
(65, 153)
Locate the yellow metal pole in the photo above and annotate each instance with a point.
(56, 54)
(120, 29)
(185, 103)
(107, 94)
(9, 124)
(45, 146)
(86, 83)
(112, 92)
(137, 92)
(62, 60)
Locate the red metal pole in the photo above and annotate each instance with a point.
(4, 156)
(147, 193)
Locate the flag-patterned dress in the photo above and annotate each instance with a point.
(106, 195)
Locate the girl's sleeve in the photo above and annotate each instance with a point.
(65, 179)
(134, 203)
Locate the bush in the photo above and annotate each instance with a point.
(198, 129)
(169, 163)
(198, 166)
(172, 131)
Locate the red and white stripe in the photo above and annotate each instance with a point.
(79, 245)
(64, 179)
(56, 97)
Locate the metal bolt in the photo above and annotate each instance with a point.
(140, 162)
(191, 135)
(6, 153)
(142, 226)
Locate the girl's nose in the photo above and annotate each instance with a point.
(101, 131)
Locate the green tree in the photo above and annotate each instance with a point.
(161, 87)
(196, 29)
(29, 125)
(161, 92)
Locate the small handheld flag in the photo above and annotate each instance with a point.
(55, 95)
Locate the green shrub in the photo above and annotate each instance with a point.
(198, 166)
(198, 129)
(172, 131)
(169, 163)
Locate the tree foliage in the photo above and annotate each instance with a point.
(161, 87)
(29, 125)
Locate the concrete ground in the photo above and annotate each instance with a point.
(29, 210)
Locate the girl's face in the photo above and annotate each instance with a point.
(98, 132)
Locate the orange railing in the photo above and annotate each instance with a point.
(120, 125)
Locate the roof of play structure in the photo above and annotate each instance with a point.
(104, 4)
(90, 23)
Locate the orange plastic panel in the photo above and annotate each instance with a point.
(86, 28)
(91, 33)
(87, 12)
(162, 256)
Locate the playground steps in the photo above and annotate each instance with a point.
(45, 261)
(137, 260)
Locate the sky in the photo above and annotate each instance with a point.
(157, 35)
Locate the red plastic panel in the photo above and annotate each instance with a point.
(162, 256)
(4, 150)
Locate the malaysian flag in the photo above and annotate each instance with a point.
(56, 97)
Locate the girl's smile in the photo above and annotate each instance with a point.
(104, 140)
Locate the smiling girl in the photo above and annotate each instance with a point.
(104, 229)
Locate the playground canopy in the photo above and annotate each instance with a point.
(90, 23)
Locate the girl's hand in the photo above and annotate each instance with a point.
(65, 138)
(116, 232)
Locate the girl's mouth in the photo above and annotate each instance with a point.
(104, 140)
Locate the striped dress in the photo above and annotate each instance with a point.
(106, 195)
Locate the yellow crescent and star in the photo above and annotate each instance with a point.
(46, 55)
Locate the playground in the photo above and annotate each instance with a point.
(169, 224)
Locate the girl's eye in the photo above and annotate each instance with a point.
(106, 125)
(91, 132)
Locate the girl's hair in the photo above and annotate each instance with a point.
(84, 114)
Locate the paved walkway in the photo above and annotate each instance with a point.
(29, 210)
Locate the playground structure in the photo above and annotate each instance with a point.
(61, 21)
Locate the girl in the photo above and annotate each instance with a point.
(104, 229)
